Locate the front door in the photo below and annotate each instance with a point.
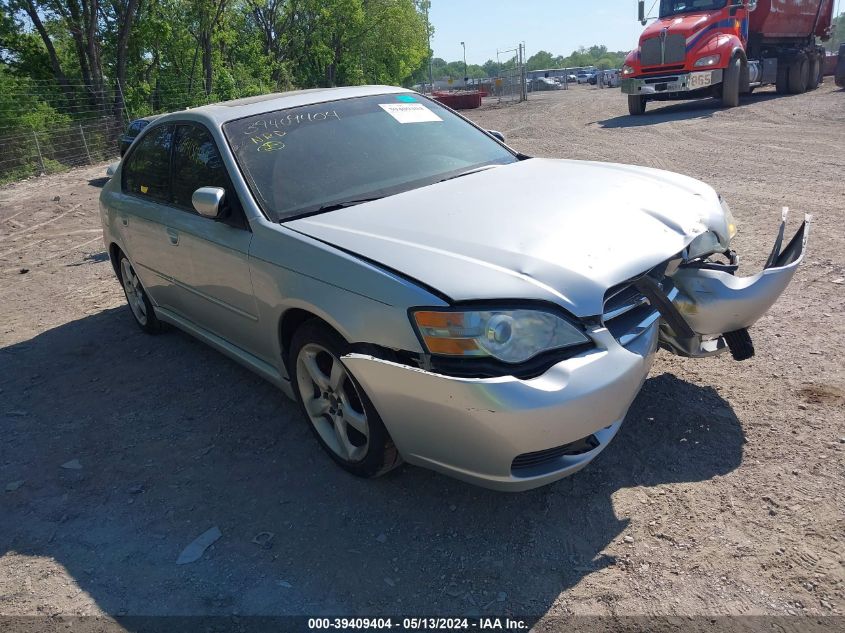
(220, 297)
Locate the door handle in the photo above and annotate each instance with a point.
(124, 221)
(173, 236)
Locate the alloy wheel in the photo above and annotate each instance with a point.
(332, 402)
(134, 291)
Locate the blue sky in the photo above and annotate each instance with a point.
(558, 26)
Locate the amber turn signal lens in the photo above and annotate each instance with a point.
(440, 320)
(451, 346)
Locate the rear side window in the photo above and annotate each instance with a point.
(147, 170)
(196, 163)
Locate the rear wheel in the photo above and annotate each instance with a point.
(341, 415)
(799, 72)
(814, 78)
(636, 105)
(730, 83)
(136, 297)
(782, 82)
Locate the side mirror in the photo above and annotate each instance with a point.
(497, 134)
(111, 169)
(208, 200)
(641, 12)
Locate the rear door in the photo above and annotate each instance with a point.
(143, 207)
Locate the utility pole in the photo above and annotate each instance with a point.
(466, 78)
(524, 91)
(430, 52)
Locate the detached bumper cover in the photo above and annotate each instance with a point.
(714, 302)
(474, 428)
(675, 82)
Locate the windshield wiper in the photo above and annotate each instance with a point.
(334, 206)
(468, 172)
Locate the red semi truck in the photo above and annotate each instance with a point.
(725, 48)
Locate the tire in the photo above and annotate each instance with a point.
(814, 77)
(340, 414)
(137, 299)
(799, 75)
(730, 83)
(782, 81)
(636, 105)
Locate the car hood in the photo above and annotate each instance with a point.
(540, 229)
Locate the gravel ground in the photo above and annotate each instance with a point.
(722, 493)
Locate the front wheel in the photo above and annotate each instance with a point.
(730, 83)
(636, 105)
(341, 415)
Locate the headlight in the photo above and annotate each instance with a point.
(712, 242)
(710, 60)
(512, 336)
(627, 70)
(705, 244)
(729, 219)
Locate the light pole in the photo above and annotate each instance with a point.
(465, 64)
(430, 52)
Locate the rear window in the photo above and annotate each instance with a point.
(300, 160)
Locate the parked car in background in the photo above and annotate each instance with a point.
(323, 239)
(545, 83)
(839, 74)
(133, 130)
(585, 77)
(571, 78)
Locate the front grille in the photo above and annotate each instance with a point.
(662, 80)
(627, 313)
(671, 51)
(663, 69)
(532, 461)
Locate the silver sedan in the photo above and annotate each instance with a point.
(417, 286)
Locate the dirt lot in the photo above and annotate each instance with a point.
(722, 494)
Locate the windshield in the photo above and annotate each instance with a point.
(306, 159)
(673, 7)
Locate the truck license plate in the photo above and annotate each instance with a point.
(700, 80)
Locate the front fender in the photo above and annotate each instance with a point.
(724, 44)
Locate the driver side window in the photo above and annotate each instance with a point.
(196, 163)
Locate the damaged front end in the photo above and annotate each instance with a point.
(711, 308)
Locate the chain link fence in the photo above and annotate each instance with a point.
(510, 86)
(47, 128)
(48, 151)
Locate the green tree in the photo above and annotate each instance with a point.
(837, 33)
(540, 60)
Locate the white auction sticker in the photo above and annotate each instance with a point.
(409, 112)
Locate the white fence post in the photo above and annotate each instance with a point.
(84, 143)
(38, 147)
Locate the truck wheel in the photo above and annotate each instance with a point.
(782, 82)
(730, 83)
(636, 105)
(799, 71)
(814, 78)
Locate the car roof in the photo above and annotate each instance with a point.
(219, 113)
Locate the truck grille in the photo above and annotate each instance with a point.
(673, 51)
